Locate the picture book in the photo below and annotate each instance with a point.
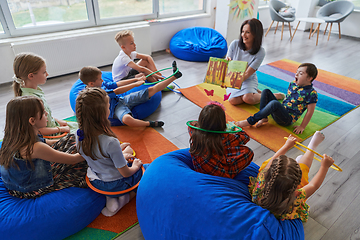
(225, 73)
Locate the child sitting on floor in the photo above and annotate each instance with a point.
(120, 107)
(282, 184)
(219, 154)
(108, 169)
(124, 66)
(300, 96)
(30, 72)
(29, 167)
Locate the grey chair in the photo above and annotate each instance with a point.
(274, 7)
(335, 12)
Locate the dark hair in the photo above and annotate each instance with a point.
(19, 134)
(257, 31)
(89, 74)
(91, 107)
(311, 70)
(281, 181)
(212, 117)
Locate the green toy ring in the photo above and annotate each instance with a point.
(152, 83)
(211, 131)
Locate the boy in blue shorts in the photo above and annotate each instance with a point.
(300, 96)
(120, 107)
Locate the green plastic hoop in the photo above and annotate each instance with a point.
(152, 83)
(211, 131)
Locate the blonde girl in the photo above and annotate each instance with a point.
(108, 169)
(282, 185)
(29, 167)
(30, 72)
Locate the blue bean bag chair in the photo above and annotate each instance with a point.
(198, 44)
(55, 215)
(175, 202)
(141, 111)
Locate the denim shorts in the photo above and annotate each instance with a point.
(121, 184)
(127, 102)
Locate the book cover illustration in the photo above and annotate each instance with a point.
(225, 73)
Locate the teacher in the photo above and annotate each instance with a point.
(248, 48)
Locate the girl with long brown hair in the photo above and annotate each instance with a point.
(29, 167)
(213, 151)
(108, 168)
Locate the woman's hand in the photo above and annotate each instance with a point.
(228, 58)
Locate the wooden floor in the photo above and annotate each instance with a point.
(335, 206)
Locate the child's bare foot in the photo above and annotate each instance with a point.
(261, 122)
(316, 140)
(243, 123)
(279, 96)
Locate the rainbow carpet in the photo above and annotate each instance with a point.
(337, 95)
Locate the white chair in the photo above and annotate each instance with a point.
(274, 8)
(335, 12)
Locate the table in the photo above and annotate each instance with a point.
(312, 21)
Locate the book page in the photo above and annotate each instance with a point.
(216, 71)
(235, 74)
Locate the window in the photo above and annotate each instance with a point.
(24, 17)
(356, 4)
(46, 12)
(176, 6)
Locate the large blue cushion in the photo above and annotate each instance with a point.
(140, 111)
(175, 202)
(55, 215)
(198, 44)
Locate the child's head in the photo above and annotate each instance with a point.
(281, 181)
(212, 117)
(22, 113)
(306, 73)
(125, 39)
(92, 112)
(28, 66)
(91, 76)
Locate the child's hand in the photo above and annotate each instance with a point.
(228, 58)
(290, 142)
(327, 161)
(298, 129)
(64, 129)
(137, 162)
(62, 122)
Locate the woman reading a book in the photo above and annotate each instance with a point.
(248, 48)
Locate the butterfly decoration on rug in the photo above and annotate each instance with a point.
(211, 93)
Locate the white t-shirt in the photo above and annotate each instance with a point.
(105, 168)
(120, 68)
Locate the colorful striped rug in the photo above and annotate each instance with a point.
(337, 95)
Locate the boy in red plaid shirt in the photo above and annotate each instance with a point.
(219, 154)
